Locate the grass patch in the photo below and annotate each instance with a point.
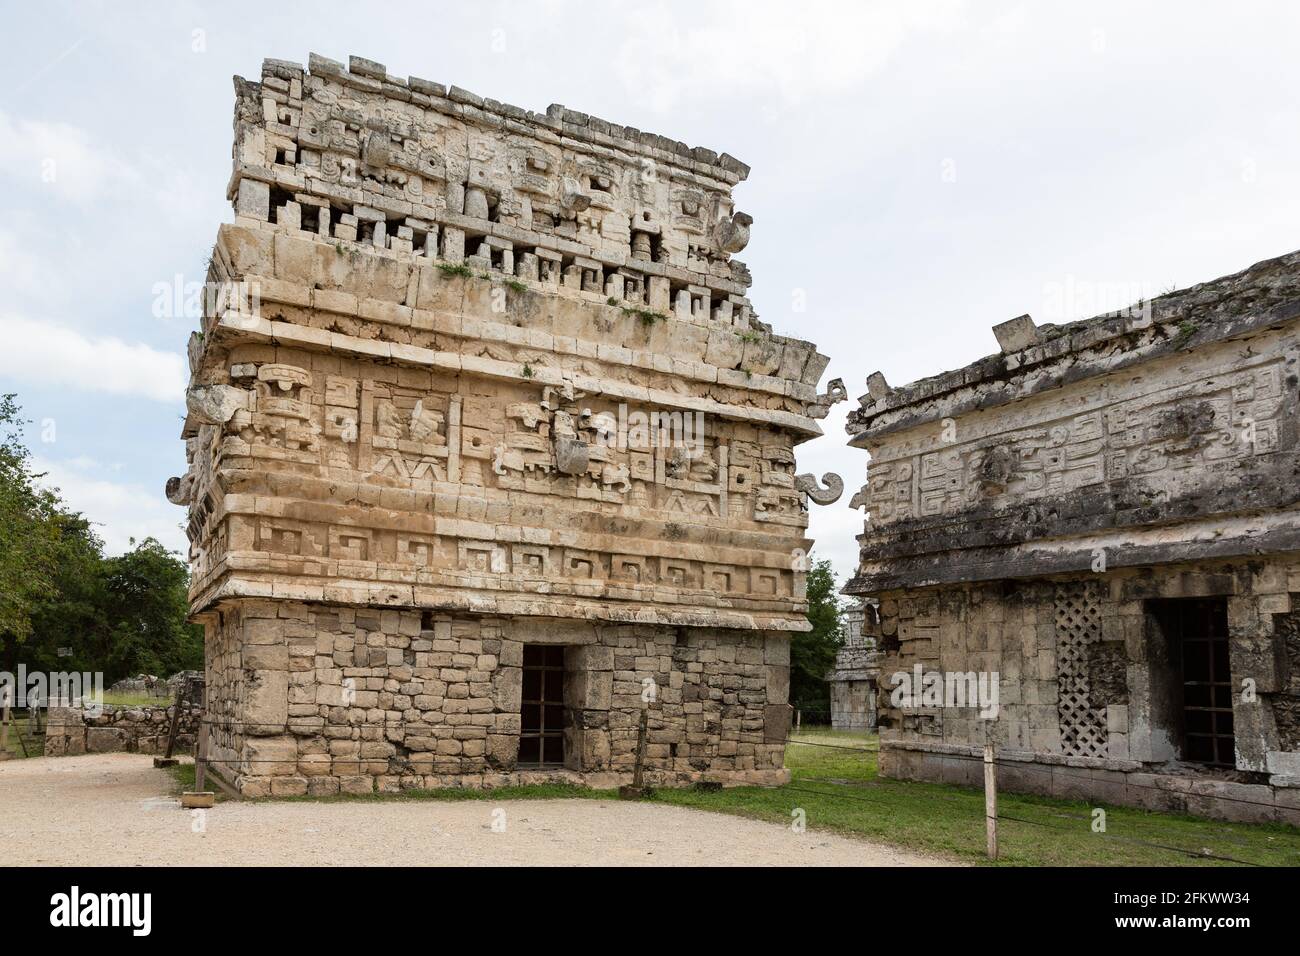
(949, 821)
(137, 700)
(182, 775)
(20, 724)
(834, 780)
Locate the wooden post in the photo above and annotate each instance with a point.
(176, 716)
(638, 770)
(4, 725)
(182, 695)
(798, 720)
(637, 789)
(200, 798)
(201, 759)
(991, 800)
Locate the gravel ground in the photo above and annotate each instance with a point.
(117, 809)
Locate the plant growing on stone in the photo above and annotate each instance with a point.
(455, 269)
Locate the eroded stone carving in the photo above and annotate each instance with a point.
(502, 385)
(215, 404)
(823, 496)
(732, 232)
(1082, 515)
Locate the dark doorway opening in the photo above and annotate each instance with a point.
(1196, 631)
(542, 711)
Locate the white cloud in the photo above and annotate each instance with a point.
(118, 511)
(21, 271)
(45, 354)
(59, 157)
(817, 47)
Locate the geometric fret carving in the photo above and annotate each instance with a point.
(1078, 626)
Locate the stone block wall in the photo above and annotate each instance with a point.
(321, 699)
(1081, 685)
(74, 730)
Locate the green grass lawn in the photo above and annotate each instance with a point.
(949, 821)
(35, 745)
(834, 781)
(137, 700)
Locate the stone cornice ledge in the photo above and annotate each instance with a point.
(259, 329)
(1134, 548)
(370, 594)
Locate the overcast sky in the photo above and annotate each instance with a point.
(921, 172)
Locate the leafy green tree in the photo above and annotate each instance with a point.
(67, 624)
(63, 605)
(145, 602)
(29, 534)
(812, 653)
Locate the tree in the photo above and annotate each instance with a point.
(66, 607)
(69, 622)
(812, 653)
(146, 601)
(29, 534)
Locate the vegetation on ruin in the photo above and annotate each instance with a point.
(1186, 329)
(64, 604)
(647, 316)
(455, 269)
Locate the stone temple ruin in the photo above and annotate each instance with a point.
(488, 451)
(853, 679)
(1105, 515)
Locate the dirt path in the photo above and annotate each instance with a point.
(117, 809)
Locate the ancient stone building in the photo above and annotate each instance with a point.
(1104, 516)
(488, 450)
(857, 668)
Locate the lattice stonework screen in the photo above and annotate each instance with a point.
(1078, 625)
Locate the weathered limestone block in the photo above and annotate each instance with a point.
(1016, 334)
(270, 756)
(266, 706)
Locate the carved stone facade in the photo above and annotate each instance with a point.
(1106, 515)
(857, 669)
(472, 380)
